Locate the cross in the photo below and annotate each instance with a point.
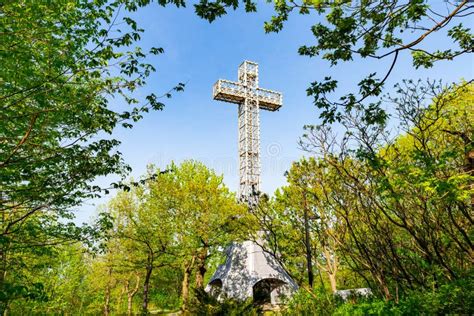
(250, 98)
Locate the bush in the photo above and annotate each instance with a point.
(303, 303)
(453, 298)
(206, 305)
(372, 307)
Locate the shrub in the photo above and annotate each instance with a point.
(452, 298)
(303, 303)
(207, 305)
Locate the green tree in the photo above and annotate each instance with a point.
(63, 282)
(178, 219)
(145, 231)
(64, 73)
(406, 200)
(302, 225)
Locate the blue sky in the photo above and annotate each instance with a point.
(193, 126)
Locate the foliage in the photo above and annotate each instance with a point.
(405, 201)
(374, 207)
(175, 221)
(208, 305)
(389, 211)
(451, 298)
(324, 231)
(318, 302)
(64, 286)
(58, 79)
(163, 230)
(394, 212)
(68, 67)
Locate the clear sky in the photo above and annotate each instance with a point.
(193, 126)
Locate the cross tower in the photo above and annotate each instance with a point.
(249, 271)
(250, 98)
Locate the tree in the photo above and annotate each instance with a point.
(146, 233)
(208, 213)
(61, 283)
(304, 226)
(206, 216)
(405, 200)
(299, 209)
(178, 219)
(63, 67)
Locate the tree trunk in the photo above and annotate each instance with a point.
(332, 280)
(3, 274)
(383, 286)
(146, 284)
(132, 294)
(331, 267)
(119, 300)
(188, 268)
(107, 301)
(201, 268)
(3, 264)
(307, 242)
(107, 294)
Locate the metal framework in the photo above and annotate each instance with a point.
(250, 98)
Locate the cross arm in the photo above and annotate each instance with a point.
(228, 91)
(269, 100)
(234, 92)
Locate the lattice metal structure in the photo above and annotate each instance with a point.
(250, 98)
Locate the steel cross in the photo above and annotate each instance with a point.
(250, 99)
